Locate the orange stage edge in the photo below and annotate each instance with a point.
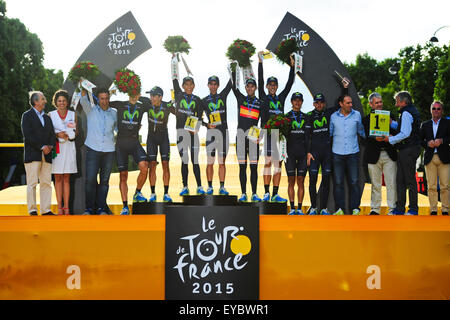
(301, 257)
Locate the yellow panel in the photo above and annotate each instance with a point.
(321, 257)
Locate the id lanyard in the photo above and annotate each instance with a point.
(131, 114)
(275, 104)
(189, 104)
(253, 104)
(295, 117)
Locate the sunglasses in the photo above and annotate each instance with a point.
(438, 109)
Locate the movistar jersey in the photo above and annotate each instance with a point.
(158, 116)
(217, 103)
(186, 105)
(128, 118)
(298, 138)
(273, 105)
(319, 128)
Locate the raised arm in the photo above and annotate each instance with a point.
(84, 101)
(236, 91)
(224, 93)
(175, 74)
(260, 76)
(290, 81)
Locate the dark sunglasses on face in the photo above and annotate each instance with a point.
(434, 109)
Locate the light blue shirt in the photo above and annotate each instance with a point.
(405, 129)
(101, 125)
(40, 116)
(344, 130)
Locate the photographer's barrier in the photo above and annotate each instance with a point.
(300, 257)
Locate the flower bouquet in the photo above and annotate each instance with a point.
(285, 49)
(175, 44)
(279, 122)
(241, 51)
(83, 70)
(128, 82)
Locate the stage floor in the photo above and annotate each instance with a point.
(13, 200)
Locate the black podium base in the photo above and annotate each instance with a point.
(267, 207)
(152, 207)
(210, 201)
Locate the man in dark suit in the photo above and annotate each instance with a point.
(407, 142)
(39, 139)
(381, 158)
(435, 138)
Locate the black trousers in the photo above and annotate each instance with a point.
(406, 177)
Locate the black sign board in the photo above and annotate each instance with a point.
(212, 253)
(320, 63)
(114, 48)
(322, 72)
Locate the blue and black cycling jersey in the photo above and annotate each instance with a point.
(129, 118)
(273, 105)
(185, 105)
(297, 140)
(217, 103)
(158, 116)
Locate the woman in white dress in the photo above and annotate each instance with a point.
(64, 162)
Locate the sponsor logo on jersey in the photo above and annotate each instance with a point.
(320, 124)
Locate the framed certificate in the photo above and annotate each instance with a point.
(379, 123)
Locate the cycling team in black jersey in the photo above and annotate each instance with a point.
(308, 143)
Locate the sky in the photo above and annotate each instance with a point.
(350, 27)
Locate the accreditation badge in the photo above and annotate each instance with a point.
(379, 123)
(253, 133)
(191, 124)
(214, 118)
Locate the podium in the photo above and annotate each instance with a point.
(267, 207)
(209, 201)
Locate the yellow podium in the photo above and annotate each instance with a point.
(301, 257)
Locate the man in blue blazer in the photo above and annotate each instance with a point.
(39, 139)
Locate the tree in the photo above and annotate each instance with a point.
(442, 88)
(370, 75)
(21, 69)
(424, 71)
(419, 73)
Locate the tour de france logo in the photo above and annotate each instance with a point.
(213, 250)
(121, 41)
(211, 254)
(301, 36)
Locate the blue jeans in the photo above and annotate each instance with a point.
(346, 165)
(95, 161)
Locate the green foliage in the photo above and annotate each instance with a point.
(442, 88)
(241, 51)
(285, 49)
(127, 81)
(419, 74)
(424, 71)
(174, 44)
(2, 7)
(21, 69)
(84, 69)
(367, 73)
